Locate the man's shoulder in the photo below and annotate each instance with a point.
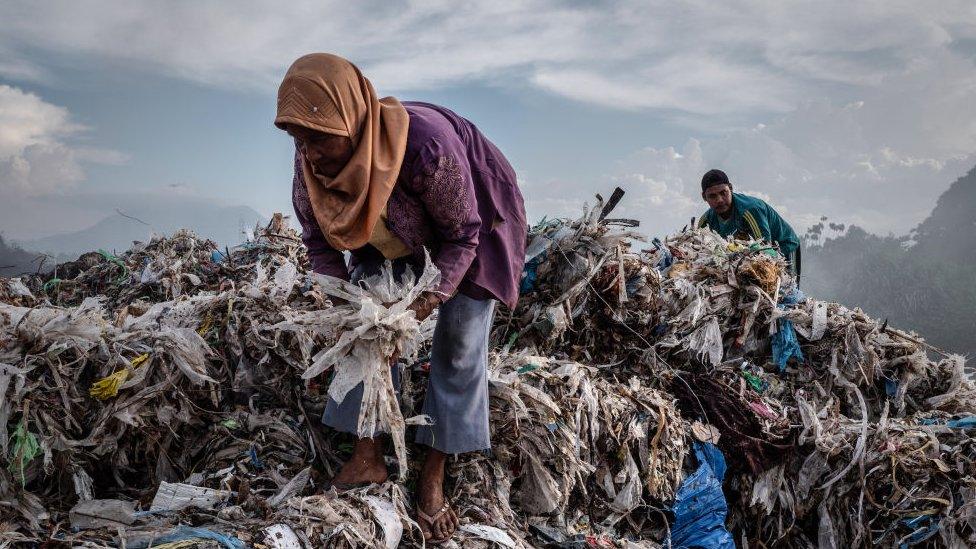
(754, 205)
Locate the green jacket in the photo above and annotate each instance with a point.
(754, 218)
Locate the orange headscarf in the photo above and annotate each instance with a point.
(327, 93)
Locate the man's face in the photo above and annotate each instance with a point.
(719, 198)
(327, 153)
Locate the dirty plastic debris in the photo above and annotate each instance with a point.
(623, 373)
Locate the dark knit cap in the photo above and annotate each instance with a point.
(714, 177)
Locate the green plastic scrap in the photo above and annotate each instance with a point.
(754, 381)
(528, 368)
(25, 449)
(230, 423)
(50, 283)
(760, 247)
(125, 270)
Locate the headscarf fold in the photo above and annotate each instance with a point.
(327, 93)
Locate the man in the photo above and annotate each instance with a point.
(744, 216)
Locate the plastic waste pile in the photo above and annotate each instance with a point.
(680, 392)
(835, 428)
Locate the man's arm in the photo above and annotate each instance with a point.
(769, 225)
(783, 233)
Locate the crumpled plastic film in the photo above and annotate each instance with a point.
(700, 507)
(619, 359)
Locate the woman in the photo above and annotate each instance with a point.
(385, 180)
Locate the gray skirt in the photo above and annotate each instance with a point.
(457, 389)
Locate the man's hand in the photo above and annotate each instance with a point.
(424, 305)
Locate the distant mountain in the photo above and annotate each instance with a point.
(14, 260)
(225, 225)
(949, 233)
(922, 282)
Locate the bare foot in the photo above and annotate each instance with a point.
(441, 525)
(366, 465)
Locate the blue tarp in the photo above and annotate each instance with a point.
(785, 344)
(700, 507)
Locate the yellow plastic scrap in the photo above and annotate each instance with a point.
(205, 325)
(108, 386)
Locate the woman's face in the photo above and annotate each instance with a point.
(327, 153)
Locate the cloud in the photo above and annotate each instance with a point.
(690, 83)
(36, 157)
(694, 57)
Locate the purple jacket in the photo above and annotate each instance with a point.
(457, 195)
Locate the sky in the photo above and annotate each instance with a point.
(861, 111)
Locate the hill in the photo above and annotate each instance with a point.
(924, 280)
(224, 225)
(15, 260)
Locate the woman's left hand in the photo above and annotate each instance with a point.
(424, 305)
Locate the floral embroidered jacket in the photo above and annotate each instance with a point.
(456, 195)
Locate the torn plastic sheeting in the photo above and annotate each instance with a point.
(666, 259)
(172, 496)
(377, 324)
(98, 513)
(8, 373)
(966, 422)
(281, 536)
(574, 411)
(292, 487)
(707, 341)
(385, 514)
(187, 533)
(924, 527)
(818, 315)
(530, 274)
(700, 507)
(785, 344)
(489, 533)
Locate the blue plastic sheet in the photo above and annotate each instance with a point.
(700, 507)
(924, 527)
(184, 533)
(785, 344)
(663, 264)
(966, 422)
(255, 460)
(891, 388)
(793, 297)
(529, 274)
